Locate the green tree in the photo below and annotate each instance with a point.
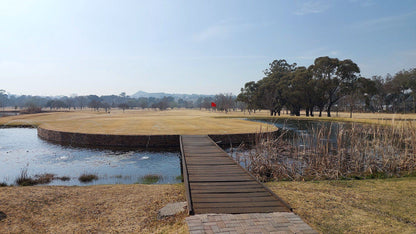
(249, 95)
(272, 89)
(123, 106)
(336, 77)
(299, 93)
(3, 98)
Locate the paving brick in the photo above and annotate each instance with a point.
(248, 223)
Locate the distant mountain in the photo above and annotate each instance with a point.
(176, 96)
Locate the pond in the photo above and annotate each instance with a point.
(8, 113)
(20, 148)
(303, 132)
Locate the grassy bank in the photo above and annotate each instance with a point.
(354, 206)
(91, 209)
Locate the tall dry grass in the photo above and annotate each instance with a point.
(353, 151)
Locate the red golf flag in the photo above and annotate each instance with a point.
(213, 104)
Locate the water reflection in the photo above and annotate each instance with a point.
(8, 113)
(21, 148)
(304, 132)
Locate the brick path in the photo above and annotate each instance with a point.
(278, 222)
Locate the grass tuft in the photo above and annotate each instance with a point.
(44, 178)
(86, 178)
(24, 179)
(63, 178)
(151, 179)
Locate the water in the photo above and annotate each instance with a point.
(301, 132)
(21, 148)
(8, 113)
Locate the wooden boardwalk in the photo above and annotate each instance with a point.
(215, 183)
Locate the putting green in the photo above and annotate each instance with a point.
(140, 122)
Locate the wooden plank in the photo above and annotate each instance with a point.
(220, 174)
(217, 184)
(226, 190)
(237, 210)
(231, 187)
(226, 183)
(235, 199)
(233, 195)
(237, 204)
(232, 177)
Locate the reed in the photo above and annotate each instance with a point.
(86, 178)
(25, 180)
(358, 151)
(150, 179)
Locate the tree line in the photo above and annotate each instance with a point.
(328, 84)
(224, 102)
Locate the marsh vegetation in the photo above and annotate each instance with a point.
(334, 151)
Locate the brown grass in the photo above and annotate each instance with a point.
(374, 151)
(114, 208)
(138, 122)
(365, 206)
(374, 118)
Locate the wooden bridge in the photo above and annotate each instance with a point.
(215, 183)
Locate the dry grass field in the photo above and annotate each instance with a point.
(372, 118)
(90, 209)
(354, 206)
(151, 122)
(132, 122)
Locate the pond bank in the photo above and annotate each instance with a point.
(137, 141)
(22, 149)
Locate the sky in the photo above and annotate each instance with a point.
(102, 47)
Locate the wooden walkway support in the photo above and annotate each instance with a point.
(215, 183)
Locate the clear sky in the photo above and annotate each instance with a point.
(59, 47)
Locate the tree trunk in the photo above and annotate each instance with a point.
(328, 110)
(351, 111)
(307, 112)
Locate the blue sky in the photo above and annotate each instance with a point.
(103, 47)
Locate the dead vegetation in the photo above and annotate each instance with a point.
(25, 180)
(114, 208)
(359, 151)
(353, 206)
(86, 178)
